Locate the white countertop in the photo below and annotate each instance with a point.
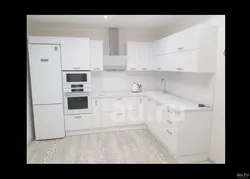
(168, 100)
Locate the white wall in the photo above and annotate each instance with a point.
(113, 81)
(30, 130)
(188, 85)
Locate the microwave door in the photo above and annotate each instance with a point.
(79, 78)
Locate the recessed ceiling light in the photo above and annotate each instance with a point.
(105, 17)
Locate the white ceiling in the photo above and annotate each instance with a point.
(120, 21)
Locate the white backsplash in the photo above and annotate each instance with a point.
(197, 87)
(121, 80)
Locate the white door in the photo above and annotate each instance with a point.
(144, 55)
(45, 73)
(96, 55)
(189, 38)
(96, 113)
(132, 53)
(159, 60)
(187, 60)
(48, 121)
(173, 43)
(75, 54)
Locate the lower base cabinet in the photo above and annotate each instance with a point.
(78, 122)
(186, 134)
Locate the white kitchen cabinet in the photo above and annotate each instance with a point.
(190, 50)
(75, 53)
(133, 118)
(144, 55)
(78, 122)
(132, 54)
(139, 56)
(150, 113)
(96, 55)
(120, 111)
(185, 134)
(96, 113)
(119, 104)
(159, 47)
(113, 119)
(158, 62)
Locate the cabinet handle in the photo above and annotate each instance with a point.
(119, 98)
(118, 114)
(169, 132)
(158, 68)
(180, 48)
(158, 104)
(140, 100)
(144, 68)
(96, 102)
(96, 68)
(78, 116)
(179, 68)
(169, 111)
(169, 122)
(76, 67)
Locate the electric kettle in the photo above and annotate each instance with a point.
(135, 87)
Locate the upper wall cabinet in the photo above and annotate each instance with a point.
(191, 50)
(139, 56)
(133, 57)
(96, 55)
(75, 54)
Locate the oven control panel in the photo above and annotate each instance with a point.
(77, 86)
(77, 90)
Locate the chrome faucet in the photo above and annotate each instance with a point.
(164, 89)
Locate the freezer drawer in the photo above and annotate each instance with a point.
(49, 121)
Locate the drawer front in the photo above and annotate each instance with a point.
(119, 104)
(133, 117)
(113, 119)
(78, 122)
(171, 140)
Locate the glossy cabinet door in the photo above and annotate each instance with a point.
(132, 54)
(96, 113)
(96, 55)
(159, 61)
(144, 55)
(75, 54)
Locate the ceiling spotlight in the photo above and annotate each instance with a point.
(105, 17)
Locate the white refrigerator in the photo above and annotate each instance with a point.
(46, 88)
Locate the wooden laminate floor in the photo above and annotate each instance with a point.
(133, 146)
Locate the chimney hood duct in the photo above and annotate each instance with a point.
(114, 61)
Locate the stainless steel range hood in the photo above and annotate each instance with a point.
(114, 61)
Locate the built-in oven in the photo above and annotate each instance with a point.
(76, 77)
(77, 102)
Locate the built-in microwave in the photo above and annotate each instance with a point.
(76, 77)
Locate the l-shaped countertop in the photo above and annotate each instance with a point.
(168, 100)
